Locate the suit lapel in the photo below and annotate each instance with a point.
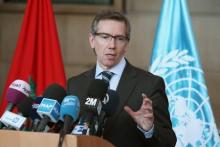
(126, 85)
(90, 74)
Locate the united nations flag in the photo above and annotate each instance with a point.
(175, 58)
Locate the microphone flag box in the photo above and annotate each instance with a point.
(50, 108)
(82, 129)
(12, 119)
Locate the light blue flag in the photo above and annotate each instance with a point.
(175, 58)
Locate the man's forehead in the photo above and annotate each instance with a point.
(109, 24)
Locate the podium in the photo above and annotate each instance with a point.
(36, 139)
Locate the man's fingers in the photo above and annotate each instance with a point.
(144, 95)
(148, 109)
(146, 101)
(148, 115)
(129, 110)
(146, 104)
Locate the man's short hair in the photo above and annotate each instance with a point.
(110, 15)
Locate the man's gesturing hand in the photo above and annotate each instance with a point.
(144, 116)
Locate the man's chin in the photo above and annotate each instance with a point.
(110, 64)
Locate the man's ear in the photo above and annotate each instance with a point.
(92, 40)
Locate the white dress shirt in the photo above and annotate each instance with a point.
(117, 70)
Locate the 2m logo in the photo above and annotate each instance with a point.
(91, 101)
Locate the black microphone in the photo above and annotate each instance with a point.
(24, 109)
(88, 122)
(25, 106)
(110, 105)
(49, 107)
(96, 93)
(55, 91)
(33, 114)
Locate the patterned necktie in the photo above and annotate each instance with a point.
(106, 76)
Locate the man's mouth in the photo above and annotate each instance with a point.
(110, 56)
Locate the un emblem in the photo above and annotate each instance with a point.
(189, 107)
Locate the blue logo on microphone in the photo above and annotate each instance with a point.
(50, 108)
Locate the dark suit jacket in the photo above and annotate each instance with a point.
(120, 129)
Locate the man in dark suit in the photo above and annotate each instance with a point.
(142, 118)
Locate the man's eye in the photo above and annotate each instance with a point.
(121, 38)
(105, 36)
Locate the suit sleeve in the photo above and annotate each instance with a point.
(163, 135)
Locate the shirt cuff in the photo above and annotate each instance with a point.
(147, 134)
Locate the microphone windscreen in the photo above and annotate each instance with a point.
(55, 91)
(25, 106)
(17, 90)
(110, 102)
(70, 106)
(97, 89)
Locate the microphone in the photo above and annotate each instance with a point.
(49, 107)
(49, 111)
(96, 92)
(55, 91)
(17, 90)
(110, 102)
(33, 114)
(110, 105)
(24, 109)
(88, 122)
(69, 112)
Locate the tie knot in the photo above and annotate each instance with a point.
(107, 75)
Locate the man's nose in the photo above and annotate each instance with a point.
(112, 43)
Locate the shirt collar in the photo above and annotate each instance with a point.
(117, 69)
